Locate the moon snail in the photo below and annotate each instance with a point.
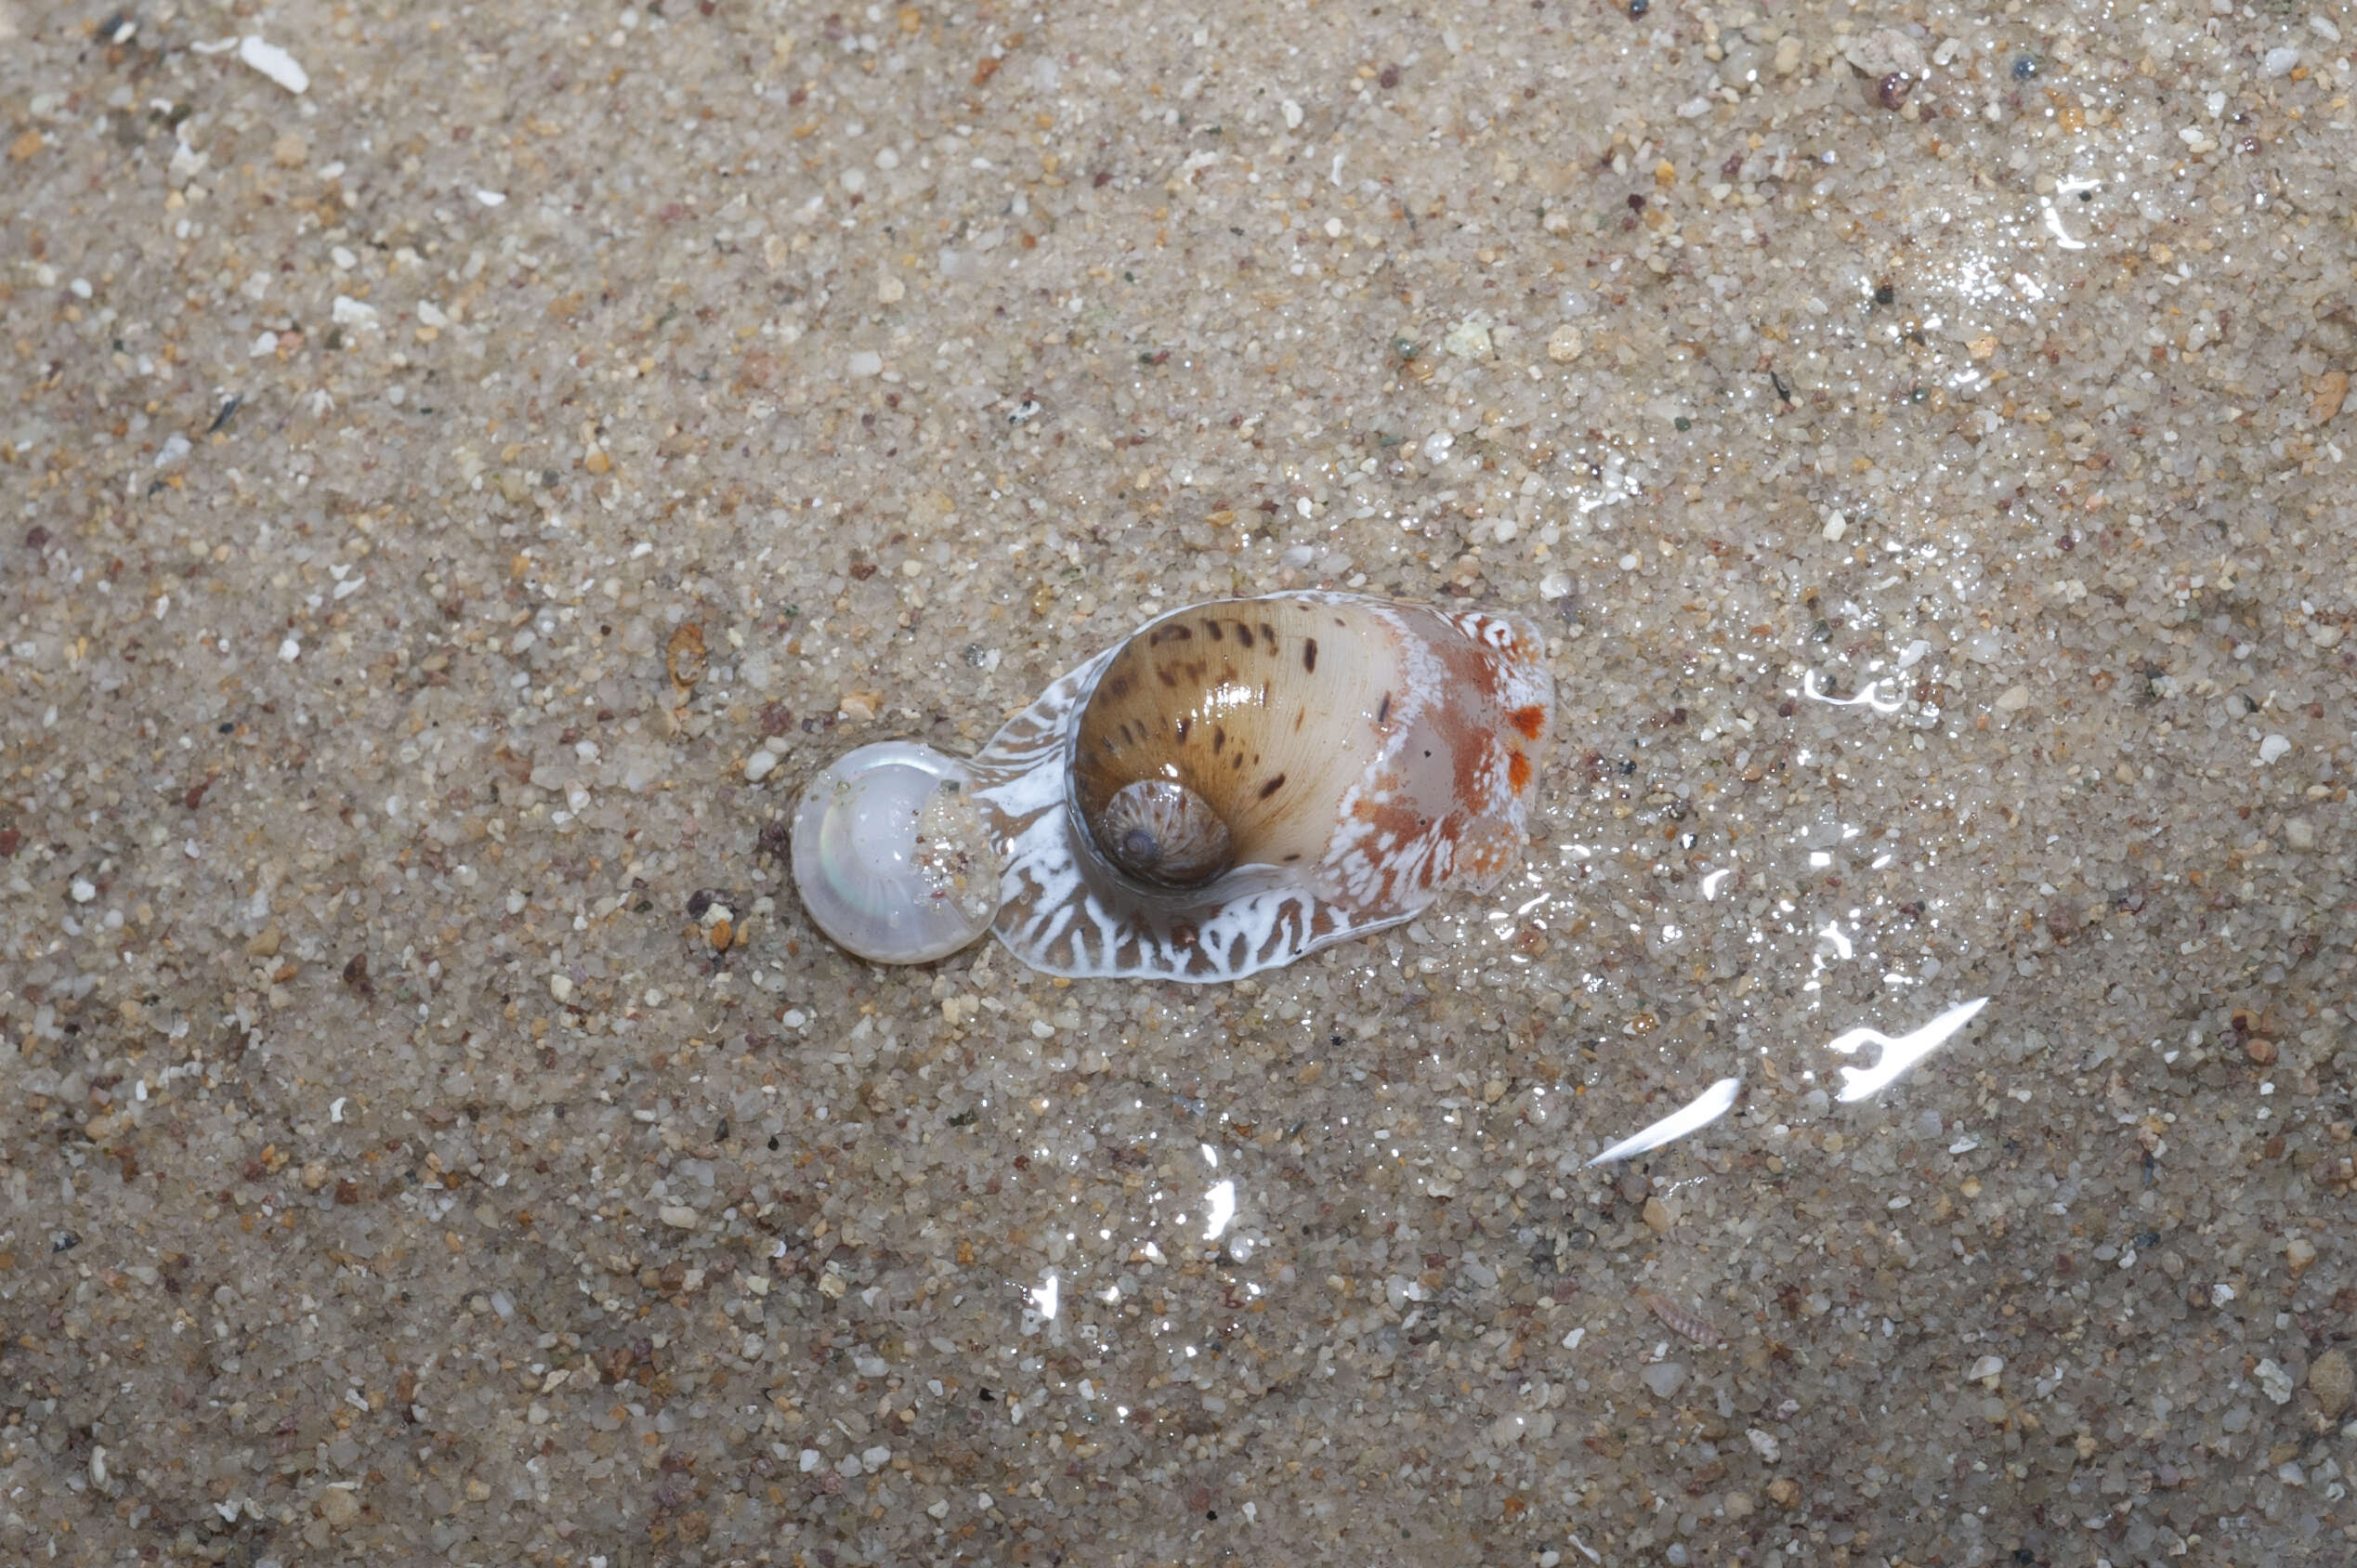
(1237, 784)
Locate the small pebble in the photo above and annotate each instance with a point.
(2326, 395)
(758, 766)
(1468, 339)
(2331, 1381)
(684, 656)
(1664, 1378)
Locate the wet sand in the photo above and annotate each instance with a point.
(454, 506)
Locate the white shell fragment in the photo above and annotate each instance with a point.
(892, 856)
(273, 62)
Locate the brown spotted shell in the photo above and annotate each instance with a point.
(1355, 754)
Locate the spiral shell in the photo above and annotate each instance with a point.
(1358, 754)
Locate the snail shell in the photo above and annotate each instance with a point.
(1237, 784)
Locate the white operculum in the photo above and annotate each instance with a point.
(894, 857)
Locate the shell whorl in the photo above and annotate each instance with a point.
(1161, 832)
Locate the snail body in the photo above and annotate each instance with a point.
(1240, 783)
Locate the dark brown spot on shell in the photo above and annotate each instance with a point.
(1214, 627)
(1244, 633)
(1384, 709)
(1309, 653)
(1272, 786)
(1182, 726)
(1219, 739)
